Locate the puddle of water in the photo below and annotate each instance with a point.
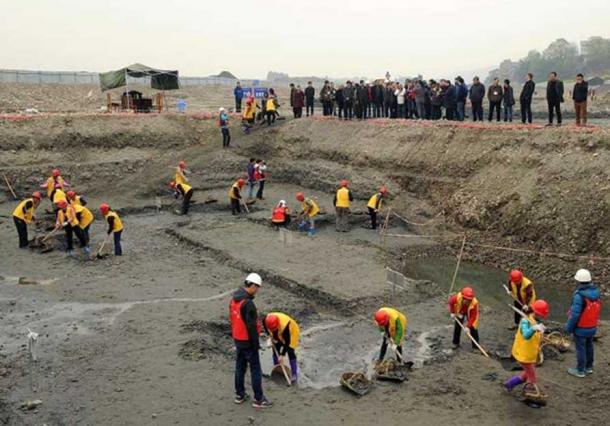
(488, 281)
(330, 349)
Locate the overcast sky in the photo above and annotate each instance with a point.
(312, 37)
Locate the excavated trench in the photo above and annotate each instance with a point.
(331, 284)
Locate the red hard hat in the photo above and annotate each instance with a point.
(37, 195)
(516, 276)
(172, 184)
(55, 172)
(343, 183)
(300, 196)
(272, 322)
(382, 318)
(541, 308)
(241, 182)
(468, 293)
(62, 204)
(383, 190)
(104, 208)
(182, 165)
(71, 195)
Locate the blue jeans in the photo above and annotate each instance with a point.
(460, 111)
(118, 251)
(584, 352)
(508, 113)
(251, 185)
(245, 357)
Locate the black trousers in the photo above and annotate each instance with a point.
(378, 109)
(517, 315)
(309, 108)
(261, 188)
(457, 332)
(186, 201)
(237, 104)
(450, 114)
(384, 348)
(86, 234)
(270, 117)
(22, 230)
(436, 112)
(69, 237)
(494, 105)
(373, 215)
(348, 107)
(235, 206)
(477, 110)
(554, 107)
(226, 138)
(327, 108)
(526, 111)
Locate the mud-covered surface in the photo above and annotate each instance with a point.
(144, 338)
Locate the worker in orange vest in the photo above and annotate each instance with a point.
(281, 215)
(465, 306)
(522, 290)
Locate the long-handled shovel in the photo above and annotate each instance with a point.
(9, 186)
(467, 332)
(283, 367)
(49, 235)
(243, 203)
(98, 255)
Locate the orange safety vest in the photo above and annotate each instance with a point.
(279, 215)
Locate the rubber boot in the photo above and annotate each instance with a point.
(294, 368)
(275, 360)
(311, 232)
(512, 382)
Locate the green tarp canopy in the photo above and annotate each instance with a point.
(159, 79)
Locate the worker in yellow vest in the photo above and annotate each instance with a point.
(309, 211)
(522, 290)
(115, 227)
(526, 347)
(374, 205)
(465, 306)
(180, 176)
(342, 202)
(185, 191)
(67, 219)
(284, 333)
(85, 218)
(59, 195)
(249, 114)
(54, 182)
(23, 215)
(235, 196)
(393, 325)
(75, 199)
(271, 105)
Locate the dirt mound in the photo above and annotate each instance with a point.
(215, 339)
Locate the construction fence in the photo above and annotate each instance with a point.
(82, 77)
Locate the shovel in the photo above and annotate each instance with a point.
(49, 235)
(282, 366)
(243, 203)
(98, 255)
(467, 332)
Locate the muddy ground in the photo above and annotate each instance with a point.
(144, 339)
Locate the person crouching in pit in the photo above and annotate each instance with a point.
(284, 333)
(281, 215)
(393, 325)
(526, 347)
(184, 190)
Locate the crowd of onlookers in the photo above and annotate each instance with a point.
(435, 100)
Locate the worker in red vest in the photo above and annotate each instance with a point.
(465, 306)
(281, 215)
(245, 329)
(583, 322)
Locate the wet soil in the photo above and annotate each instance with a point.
(144, 339)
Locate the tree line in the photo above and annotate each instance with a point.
(592, 59)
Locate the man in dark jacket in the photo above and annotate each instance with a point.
(378, 94)
(525, 99)
(245, 329)
(508, 100)
(582, 322)
(436, 100)
(580, 95)
(461, 94)
(388, 99)
(339, 101)
(494, 94)
(477, 94)
(449, 99)
(293, 92)
(554, 97)
(310, 95)
(298, 102)
(348, 100)
(238, 92)
(362, 98)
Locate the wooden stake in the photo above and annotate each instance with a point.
(9, 186)
(457, 266)
(281, 365)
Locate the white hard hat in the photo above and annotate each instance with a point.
(583, 276)
(221, 109)
(254, 278)
(282, 203)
